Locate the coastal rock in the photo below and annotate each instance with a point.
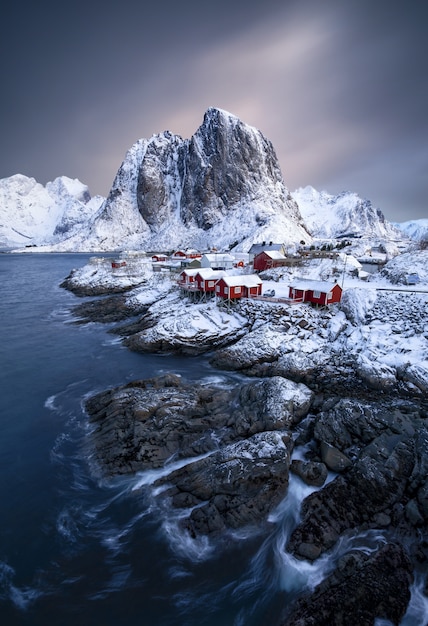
(234, 487)
(387, 445)
(144, 423)
(335, 460)
(363, 587)
(105, 310)
(178, 326)
(311, 472)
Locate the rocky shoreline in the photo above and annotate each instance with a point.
(357, 422)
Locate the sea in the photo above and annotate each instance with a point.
(79, 549)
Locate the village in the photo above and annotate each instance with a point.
(228, 277)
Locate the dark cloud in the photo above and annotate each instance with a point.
(340, 88)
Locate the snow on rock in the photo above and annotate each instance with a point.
(376, 374)
(178, 325)
(99, 276)
(356, 303)
(402, 267)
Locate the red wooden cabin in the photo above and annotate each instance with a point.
(268, 259)
(317, 292)
(244, 286)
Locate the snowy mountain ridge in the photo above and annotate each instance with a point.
(31, 214)
(331, 216)
(415, 229)
(221, 188)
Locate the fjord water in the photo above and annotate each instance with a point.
(78, 549)
(73, 547)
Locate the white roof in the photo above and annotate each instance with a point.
(191, 272)
(248, 280)
(305, 284)
(274, 254)
(207, 272)
(219, 257)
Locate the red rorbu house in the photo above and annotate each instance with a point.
(244, 286)
(317, 292)
(268, 259)
(206, 279)
(179, 254)
(186, 280)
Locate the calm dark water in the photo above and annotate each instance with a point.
(70, 547)
(74, 550)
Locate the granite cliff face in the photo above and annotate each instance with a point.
(221, 187)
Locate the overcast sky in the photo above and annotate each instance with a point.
(340, 87)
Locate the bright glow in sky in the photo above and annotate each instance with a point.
(339, 88)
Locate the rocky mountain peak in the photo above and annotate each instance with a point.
(179, 191)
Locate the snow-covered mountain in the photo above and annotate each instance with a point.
(415, 229)
(328, 216)
(223, 187)
(31, 214)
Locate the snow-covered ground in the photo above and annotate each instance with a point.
(381, 327)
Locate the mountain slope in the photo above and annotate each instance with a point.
(220, 188)
(328, 216)
(415, 229)
(31, 214)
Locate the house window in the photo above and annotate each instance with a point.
(226, 290)
(217, 289)
(317, 294)
(210, 283)
(237, 289)
(330, 295)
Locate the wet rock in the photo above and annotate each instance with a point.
(335, 460)
(311, 472)
(376, 482)
(362, 588)
(105, 310)
(234, 487)
(142, 424)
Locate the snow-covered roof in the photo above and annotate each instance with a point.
(274, 255)
(312, 285)
(219, 257)
(207, 272)
(248, 280)
(191, 272)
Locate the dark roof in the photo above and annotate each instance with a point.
(256, 248)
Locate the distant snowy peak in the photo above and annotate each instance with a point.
(330, 216)
(415, 229)
(221, 187)
(31, 214)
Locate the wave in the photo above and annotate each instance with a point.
(417, 611)
(21, 598)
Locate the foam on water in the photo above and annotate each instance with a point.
(417, 611)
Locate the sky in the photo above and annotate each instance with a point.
(340, 87)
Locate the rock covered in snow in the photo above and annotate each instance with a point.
(403, 267)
